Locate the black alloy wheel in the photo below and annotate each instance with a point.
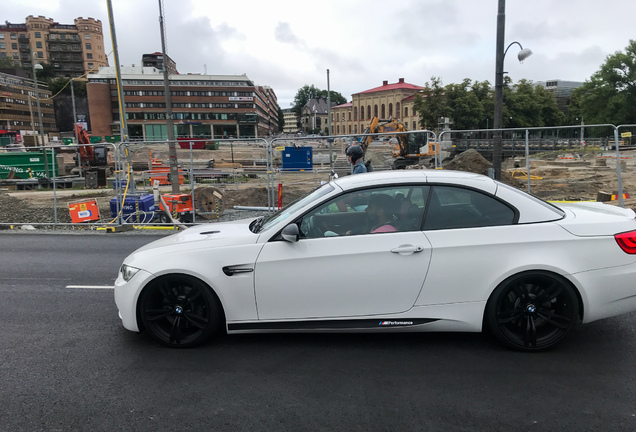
(179, 311)
(532, 311)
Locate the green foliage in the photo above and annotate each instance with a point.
(281, 120)
(609, 96)
(307, 92)
(471, 105)
(432, 104)
(57, 84)
(336, 98)
(6, 62)
(529, 105)
(303, 95)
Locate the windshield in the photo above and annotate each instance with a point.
(293, 207)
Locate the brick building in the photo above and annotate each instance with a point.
(72, 49)
(219, 106)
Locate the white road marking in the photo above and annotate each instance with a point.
(90, 287)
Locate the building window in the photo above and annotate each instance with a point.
(397, 110)
(14, 36)
(383, 111)
(2, 45)
(89, 56)
(355, 113)
(375, 110)
(63, 36)
(38, 35)
(87, 36)
(3, 54)
(1, 35)
(406, 111)
(40, 54)
(349, 115)
(90, 65)
(369, 112)
(390, 110)
(38, 44)
(14, 46)
(85, 27)
(88, 46)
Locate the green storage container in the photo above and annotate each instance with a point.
(27, 165)
(112, 139)
(96, 139)
(67, 141)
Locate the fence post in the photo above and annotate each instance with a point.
(528, 157)
(621, 201)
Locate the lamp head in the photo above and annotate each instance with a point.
(38, 66)
(524, 54)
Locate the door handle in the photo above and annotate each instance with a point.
(407, 249)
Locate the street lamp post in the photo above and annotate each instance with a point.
(37, 102)
(499, 82)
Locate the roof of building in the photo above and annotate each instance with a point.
(345, 105)
(317, 105)
(395, 86)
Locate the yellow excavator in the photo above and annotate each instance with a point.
(408, 150)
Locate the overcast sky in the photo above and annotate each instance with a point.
(286, 44)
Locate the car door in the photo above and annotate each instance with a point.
(339, 270)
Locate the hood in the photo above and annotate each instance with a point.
(596, 219)
(212, 235)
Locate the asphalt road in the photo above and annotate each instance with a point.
(66, 364)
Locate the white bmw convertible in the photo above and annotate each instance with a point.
(412, 250)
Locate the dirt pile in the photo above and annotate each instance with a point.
(472, 161)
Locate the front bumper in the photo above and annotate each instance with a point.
(126, 296)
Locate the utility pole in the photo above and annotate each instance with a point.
(172, 147)
(499, 75)
(329, 122)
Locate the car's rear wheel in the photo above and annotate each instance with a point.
(179, 311)
(532, 311)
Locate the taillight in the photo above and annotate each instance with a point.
(627, 241)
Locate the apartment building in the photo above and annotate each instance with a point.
(156, 60)
(218, 106)
(18, 104)
(72, 49)
(291, 121)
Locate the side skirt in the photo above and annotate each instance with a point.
(361, 324)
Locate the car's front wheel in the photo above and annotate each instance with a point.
(179, 311)
(532, 311)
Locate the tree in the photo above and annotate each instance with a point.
(431, 104)
(336, 98)
(303, 95)
(57, 84)
(530, 105)
(281, 120)
(465, 107)
(610, 94)
(6, 62)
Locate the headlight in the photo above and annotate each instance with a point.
(127, 272)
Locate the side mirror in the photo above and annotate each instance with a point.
(291, 233)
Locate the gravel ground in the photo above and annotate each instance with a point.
(31, 217)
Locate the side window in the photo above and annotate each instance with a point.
(367, 211)
(454, 207)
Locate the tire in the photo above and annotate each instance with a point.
(180, 311)
(532, 311)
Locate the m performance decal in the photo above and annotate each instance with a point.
(329, 324)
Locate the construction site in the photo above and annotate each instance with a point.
(222, 180)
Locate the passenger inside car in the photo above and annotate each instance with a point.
(380, 213)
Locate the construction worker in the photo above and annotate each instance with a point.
(354, 155)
